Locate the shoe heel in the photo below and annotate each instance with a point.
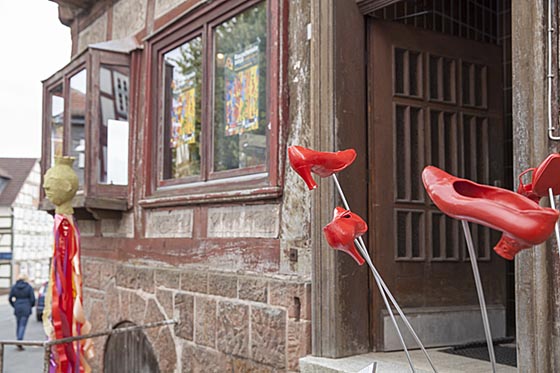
(507, 247)
(356, 255)
(305, 173)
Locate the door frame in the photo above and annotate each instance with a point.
(535, 273)
(340, 289)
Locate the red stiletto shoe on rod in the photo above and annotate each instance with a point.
(523, 222)
(342, 230)
(304, 161)
(546, 176)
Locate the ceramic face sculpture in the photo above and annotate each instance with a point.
(60, 184)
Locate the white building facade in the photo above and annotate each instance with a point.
(25, 232)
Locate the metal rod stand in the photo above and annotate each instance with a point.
(387, 305)
(376, 274)
(384, 289)
(480, 292)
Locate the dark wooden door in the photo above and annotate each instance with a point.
(129, 352)
(433, 99)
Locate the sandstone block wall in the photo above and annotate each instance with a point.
(227, 322)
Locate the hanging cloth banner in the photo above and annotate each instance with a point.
(64, 301)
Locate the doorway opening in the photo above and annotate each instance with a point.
(439, 83)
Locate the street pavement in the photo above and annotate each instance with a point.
(31, 359)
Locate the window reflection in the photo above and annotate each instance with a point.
(57, 122)
(77, 107)
(240, 91)
(182, 73)
(113, 131)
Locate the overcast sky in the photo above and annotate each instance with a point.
(34, 46)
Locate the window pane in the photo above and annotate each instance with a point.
(113, 131)
(240, 119)
(77, 107)
(3, 183)
(57, 122)
(182, 77)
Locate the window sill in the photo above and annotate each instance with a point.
(92, 207)
(212, 197)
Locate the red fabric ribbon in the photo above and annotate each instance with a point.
(67, 311)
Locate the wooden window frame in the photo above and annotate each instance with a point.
(99, 59)
(261, 182)
(91, 195)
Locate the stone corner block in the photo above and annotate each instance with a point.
(295, 296)
(202, 359)
(205, 321)
(184, 304)
(268, 336)
(253, 289)
(233, 328)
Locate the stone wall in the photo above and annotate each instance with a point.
(230, 319)
(226, 321)
(536, 271)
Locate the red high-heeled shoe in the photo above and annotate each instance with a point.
(522, 221)
(545, 176)
(342, 230)
(304, 161)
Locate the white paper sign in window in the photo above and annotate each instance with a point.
(117, 152)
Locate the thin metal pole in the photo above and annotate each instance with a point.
(550, 75)
(383, 287)
(110, 332)
(387, 305)
(556, 230)
(47, 359)
(391, 314)
(341, 193)
(376, 274)
(480, 292)
(47, 344)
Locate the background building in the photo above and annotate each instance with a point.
(26, 232)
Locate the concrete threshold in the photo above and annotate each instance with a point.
(396, 362)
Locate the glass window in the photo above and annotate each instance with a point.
(114, 89)
(240, 66)
(56, 121)
(213, 123)
(3, 183)
(77, 108)
(87, 116)
(182, 91)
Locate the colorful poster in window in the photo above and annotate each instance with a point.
(242, 91)
(183, 111)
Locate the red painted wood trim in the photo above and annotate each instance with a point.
(257, 254)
